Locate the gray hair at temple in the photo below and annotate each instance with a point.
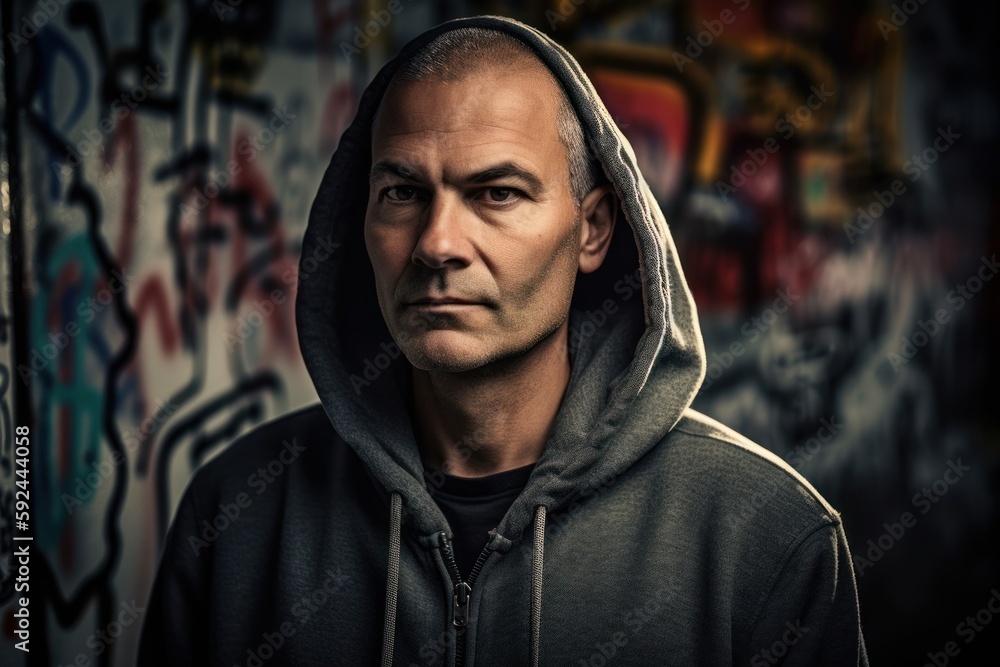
(458, 53)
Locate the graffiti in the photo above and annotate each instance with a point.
(143, 256)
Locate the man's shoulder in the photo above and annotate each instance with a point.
(270, 437)
(738, 473)
(278, 442)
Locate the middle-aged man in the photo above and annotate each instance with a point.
(504, 468)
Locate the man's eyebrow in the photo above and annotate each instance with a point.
(390, 168)
(502, 170)
(508, 170)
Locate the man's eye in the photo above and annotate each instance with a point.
(401, 193)
(501, 195)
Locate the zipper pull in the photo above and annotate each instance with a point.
(460, 598)
(460, 590)
(443, 537)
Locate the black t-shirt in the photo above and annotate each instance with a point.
(474, 506)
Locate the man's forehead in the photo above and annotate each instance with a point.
(523, 101)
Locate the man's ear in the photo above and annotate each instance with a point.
(598, 212)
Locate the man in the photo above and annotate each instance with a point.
(503, 469)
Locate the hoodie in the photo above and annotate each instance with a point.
(646, 534)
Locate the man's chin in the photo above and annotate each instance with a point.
(447, 352)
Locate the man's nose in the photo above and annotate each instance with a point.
(444, 236)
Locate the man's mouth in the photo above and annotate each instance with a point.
(442, 300)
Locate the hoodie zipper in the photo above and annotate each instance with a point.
(461, 591)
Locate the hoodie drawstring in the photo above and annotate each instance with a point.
(392, 578)
(537, 557)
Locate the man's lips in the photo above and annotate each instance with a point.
(443, 301)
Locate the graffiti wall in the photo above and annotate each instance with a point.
(826, 168)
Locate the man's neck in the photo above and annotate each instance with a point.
(494, 418)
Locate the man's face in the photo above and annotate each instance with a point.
(471, 227)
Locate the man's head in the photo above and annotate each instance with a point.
(483, 204)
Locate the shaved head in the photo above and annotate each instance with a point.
(463, 53)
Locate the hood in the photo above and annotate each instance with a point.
(636, 361)
(636, 355)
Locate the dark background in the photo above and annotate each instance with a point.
(102, 173)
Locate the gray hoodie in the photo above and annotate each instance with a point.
(647, 534)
